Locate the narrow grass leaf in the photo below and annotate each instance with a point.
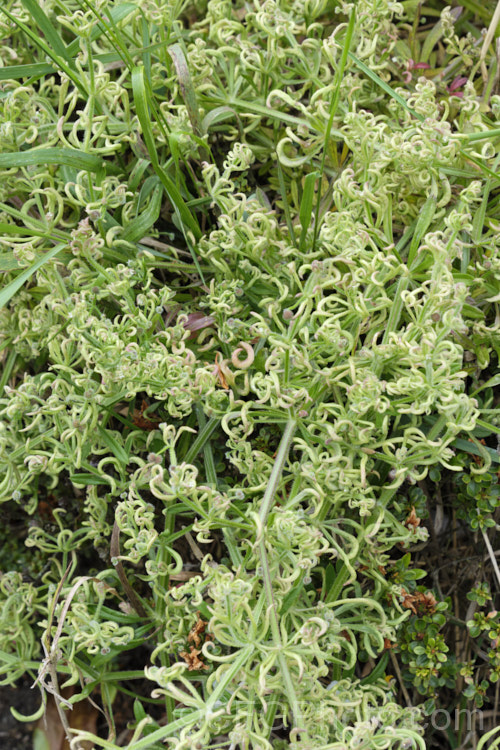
(384, 86)
(483, 135)
(333, 109)
(114, 39)
(479, 163)
(13, 72)
(432, 37)
(208, 455)
(50, 33)
(472, 312)
(20, 231)
(338, 585)
(487, 428)
(281, 457)
(490, 383)
(423, 223)
(329, 574)
(474, 450)
(8, 292)
(203, 436)
(40, 156)
(8, 262)
(140, 226)
(306, 207)
(480, 215)
(216, 116)
(378, 671)
(467, 173)
(60, 62)
(7, 369)
(35, 70)
(113, 445)
(141, 101)
(286, 205)
(117, 14)
(479, 9)
(291, 598)
(137, 174)
(146, 55)
(186, 86)
(240, 105)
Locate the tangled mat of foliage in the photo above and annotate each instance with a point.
(250, 330)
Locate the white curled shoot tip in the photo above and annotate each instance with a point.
(243, 364)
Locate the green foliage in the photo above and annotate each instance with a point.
(477, 494)
(251, 270)
(424, 650)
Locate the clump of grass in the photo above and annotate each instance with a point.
(250, 313)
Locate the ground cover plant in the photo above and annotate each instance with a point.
(249, 330)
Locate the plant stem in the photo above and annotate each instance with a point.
(277, 471)
(281, 456)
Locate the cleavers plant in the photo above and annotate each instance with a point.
(251, 267)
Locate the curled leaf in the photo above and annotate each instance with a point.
(242, 364)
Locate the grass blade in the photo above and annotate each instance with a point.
(113, 445)
(242, 106)
(14, 229)
(60, 62)
(113, 39)
(139, 227)
(384, 86)
(423, 223)
(475, 448)
(201, 440)
(217, 115)
(116, 14)
(51, 35)
(70, 157)
(487, 427)
(208, 455)
(388, 90)
(333, 110)
(277, 470)
(8, 366)
(186, 86)
(490, 383)
(378, 671)
(306, 207)
(146, 41)
(340, 580)
(185, 216)
(13, 72)
(8, 292)
(8, 262)
(431, 39)
(286, 205)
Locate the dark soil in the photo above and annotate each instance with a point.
(15, 735)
